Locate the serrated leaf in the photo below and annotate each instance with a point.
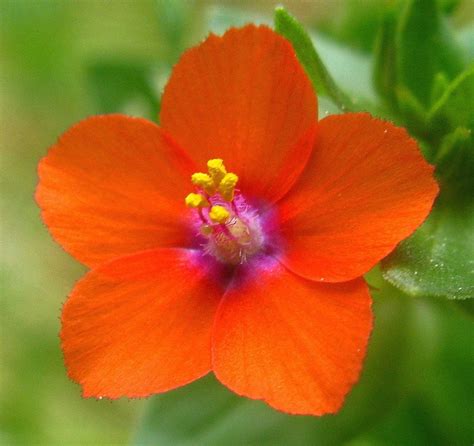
(438, 260)
(425, 47)
(206, 413)
(288, 27)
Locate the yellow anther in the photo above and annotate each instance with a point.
(219, 214)
(217, 170)
(227, 186)
(204, 181)
(196, 201)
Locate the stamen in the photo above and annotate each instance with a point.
(201, 216)
(217, 170)
(196, 201)
(219, 214)
(204, 181)
(227, 186)
(232, 228)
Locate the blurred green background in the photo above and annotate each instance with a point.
(64, 60)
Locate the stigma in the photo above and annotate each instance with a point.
(230, 227)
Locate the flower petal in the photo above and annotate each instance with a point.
(365, 188)
(244, 97)
(113, 185)
(294, 343)
(140, 325)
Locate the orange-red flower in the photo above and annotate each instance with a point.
(258, 278)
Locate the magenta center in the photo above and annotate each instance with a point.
(239, 238)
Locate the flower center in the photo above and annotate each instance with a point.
(231, 228)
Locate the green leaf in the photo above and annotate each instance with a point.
(440, 85)
(123, 86)
(437, 260)
(206, 413)
(449, 6)
(412, 111)
(455, 107)
(288, 27)
(448, 390)
(455, 165)
(466, 305)
(425, 47)
(440, 412)
(385, 71)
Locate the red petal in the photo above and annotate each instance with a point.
(111, 186)
(244, 97)
(140, 325)
(365, 188)
(294, 343)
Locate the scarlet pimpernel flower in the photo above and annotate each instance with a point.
(231, 238)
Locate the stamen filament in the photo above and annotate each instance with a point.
(201, 216)
(233, 232)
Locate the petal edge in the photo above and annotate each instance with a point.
(296, 344)
(245, 98)
(140, 325)
(111, 186)
(365, 188)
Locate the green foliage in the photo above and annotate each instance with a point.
(438, 259)
(425, 48)
(416, 60)
(414, 114)
(358, 22)
(418, 71)
(174, 21)
(323, 83)
(121, 85)
(454, 104)
(385, 78)
(440, 85)
(439, 411)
